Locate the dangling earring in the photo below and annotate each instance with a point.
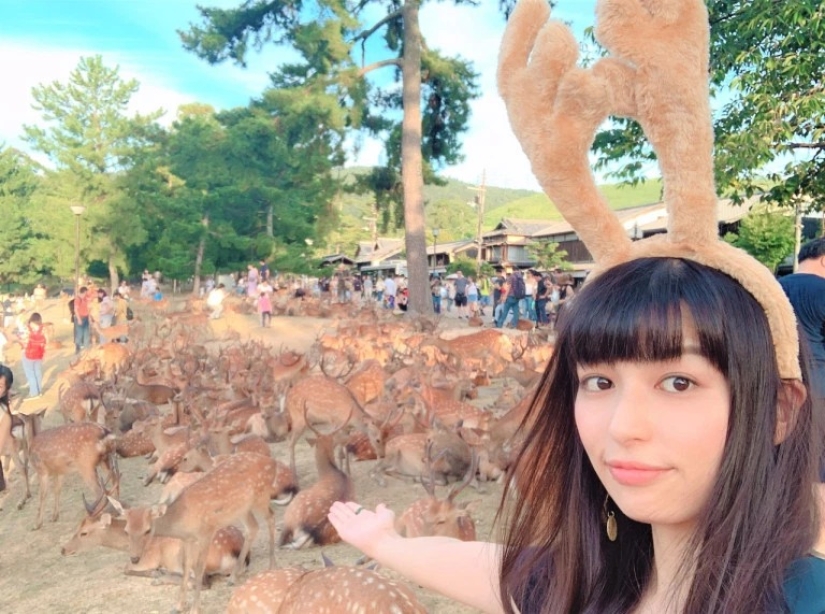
(610, 520)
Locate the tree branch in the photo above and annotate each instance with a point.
(820, 145)
(376, 65)
(367, 33)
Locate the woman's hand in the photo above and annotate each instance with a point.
(363, 528)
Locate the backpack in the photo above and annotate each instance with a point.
(517, 287)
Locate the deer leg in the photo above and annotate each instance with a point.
(270, 523)
(250, 532)
(293, 439)
(41, 496)
(57, 487)
(200, 565)
(190, 553)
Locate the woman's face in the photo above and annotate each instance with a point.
(655, 432)
(4, 386)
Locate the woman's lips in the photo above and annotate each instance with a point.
(634, 474)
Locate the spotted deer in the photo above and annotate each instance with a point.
(234, 491)
(284, 486)
(330, 589)
(72, 448)
(305, 518)
(81, 401)
(436, 516)
(149, 554)
(318, 400)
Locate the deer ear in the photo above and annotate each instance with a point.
(106, 519)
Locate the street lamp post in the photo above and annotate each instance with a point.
(77, 210)
(435, 252)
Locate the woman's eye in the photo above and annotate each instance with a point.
(596, 383)
(677, 383)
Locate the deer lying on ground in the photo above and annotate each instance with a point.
(167, 464)
(443, 517)
(220, 441)
(135, 442)
(331, 589)
(72, 448)
(105, 526)
(236, 490)
(406, 456)
(149, 554)
(305, 519)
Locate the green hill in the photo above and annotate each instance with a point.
(449, 208)
(538, 206)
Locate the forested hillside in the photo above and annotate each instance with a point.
(450, 208)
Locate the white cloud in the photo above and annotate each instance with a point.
(170, 79)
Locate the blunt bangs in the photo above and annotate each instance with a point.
(637, 311)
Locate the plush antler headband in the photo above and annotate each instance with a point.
(658, 75)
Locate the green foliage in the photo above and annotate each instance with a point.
(767, 235)
(90, 141)
(548, 256)
(18, 182)
(463, 264)
(769, 58)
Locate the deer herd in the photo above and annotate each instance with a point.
(205, 417)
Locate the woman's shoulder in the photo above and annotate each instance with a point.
(805, 586)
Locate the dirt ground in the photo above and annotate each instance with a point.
(35, 578)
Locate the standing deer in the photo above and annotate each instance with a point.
(320, 400)
(305, 519)
(72, 448)
(236, 490)
(80, 402)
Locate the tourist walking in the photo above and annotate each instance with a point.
(34, 349)
(79, 309)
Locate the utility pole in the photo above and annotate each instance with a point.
(478, 203)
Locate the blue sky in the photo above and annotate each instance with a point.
(42, 41)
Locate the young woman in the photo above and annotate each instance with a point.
(265, 309)
(34, 349)
(667, 467)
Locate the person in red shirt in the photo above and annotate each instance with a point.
(79, 308)
(34, 349)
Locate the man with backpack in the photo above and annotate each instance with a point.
(514, 291)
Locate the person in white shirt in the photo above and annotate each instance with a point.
(215, 301)
(390, 290)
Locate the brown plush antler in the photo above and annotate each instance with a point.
(657, 75)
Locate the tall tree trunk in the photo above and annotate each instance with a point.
(114, 280)
(420, 301)
(196, 286)
(270, 226)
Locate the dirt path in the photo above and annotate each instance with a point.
(35, 578)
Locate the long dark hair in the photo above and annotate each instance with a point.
(760, 514)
